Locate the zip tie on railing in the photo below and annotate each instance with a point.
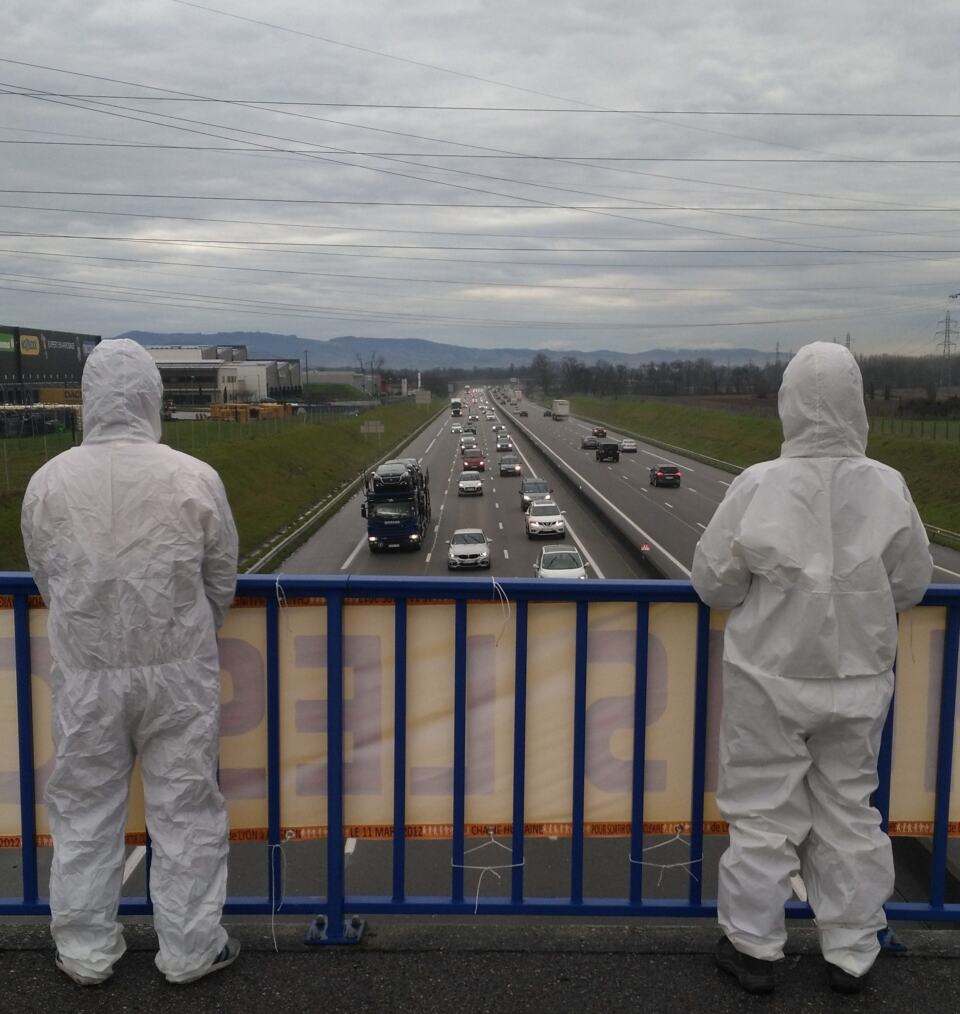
(274, 907)
(280, 593)
(662, 867)
(486, 869)
(504, 607)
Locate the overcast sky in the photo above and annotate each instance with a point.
(633, 220)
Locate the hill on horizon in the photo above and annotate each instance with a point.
(344, 352)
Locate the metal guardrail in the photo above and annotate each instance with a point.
(332, 924)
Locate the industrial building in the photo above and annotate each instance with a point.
(197, 376)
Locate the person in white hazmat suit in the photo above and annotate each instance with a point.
(814, 554)
(134, 550)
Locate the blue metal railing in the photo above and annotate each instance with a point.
(335, 903)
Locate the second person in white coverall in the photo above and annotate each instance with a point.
(814, 553)
(134, 549)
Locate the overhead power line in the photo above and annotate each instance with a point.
(591, 111)
(894, 209)
(516, 158)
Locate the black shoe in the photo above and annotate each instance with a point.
(753, 974)
(844, 982)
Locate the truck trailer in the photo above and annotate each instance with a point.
(561, 409)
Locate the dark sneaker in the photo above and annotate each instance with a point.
(753, 974)
(224, 959)
(78, 978)
(844, 982)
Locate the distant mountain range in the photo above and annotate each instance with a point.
(417, 354)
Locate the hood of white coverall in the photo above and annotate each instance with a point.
(122, 394)
(821, 404)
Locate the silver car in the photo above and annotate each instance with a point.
(545, 518)
(468, 547)
(470, 484)
(560, 562)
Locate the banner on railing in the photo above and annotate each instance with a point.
(368, 720)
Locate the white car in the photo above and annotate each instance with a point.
(456, 428)
(628, 446)
(468, 547)
(560, 562)
(470, 484)
(545, 518)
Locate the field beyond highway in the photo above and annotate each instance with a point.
(930, 467)
(272, 473)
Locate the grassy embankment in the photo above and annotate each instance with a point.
(931, 468)
(272, 475)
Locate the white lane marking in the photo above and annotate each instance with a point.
(427, 560)
(670, 505)
(352, 556)
(722, 483)
(500, 523)
(692, 490)
(506, 555)
(430, 446)
(350, 847)
(627, 477)
(952, 573)
(704, 527)
(133, 861)
(497, 506)
(646, 537)
(436, 529)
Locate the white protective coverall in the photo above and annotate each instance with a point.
(134, 549)
(814, 553)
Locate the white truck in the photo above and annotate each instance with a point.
(561, 409)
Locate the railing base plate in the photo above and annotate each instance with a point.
(319, 931)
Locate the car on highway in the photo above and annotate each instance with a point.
(523, 413)
(470, 428)
(504, 443)
(608, 450)
(496, 427)
(509, 464)
(470, 484)
(544, 517)
(468, 440)
(532, 490)
(456, 428)
(468, 547)
(560, 562)
(473, 460)
(598, 431)
(547, 413)
(588, 443)
(628, 446)
(665, 475)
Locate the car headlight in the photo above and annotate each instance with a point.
(372, 538)
(484, 553)
(414, 538)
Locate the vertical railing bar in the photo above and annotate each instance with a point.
(639, 752)
(28, 813)
(519, 752)
(459, 750)
(274, 859)
(881, 798)
(579, 756)
(948, 711)
(335, 861)
(699, 755)
(399, 748)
